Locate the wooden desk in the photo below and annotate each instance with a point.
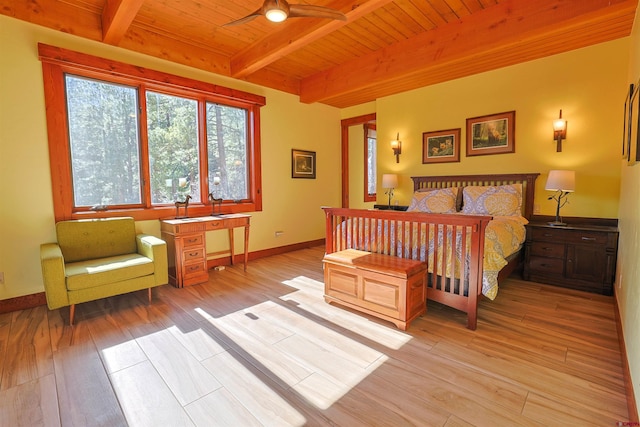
(186, 245)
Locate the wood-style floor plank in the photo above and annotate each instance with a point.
(262, 348)
(146, 399)
(32, 403)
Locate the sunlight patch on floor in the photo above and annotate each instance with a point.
(297, 342)
(388, 336)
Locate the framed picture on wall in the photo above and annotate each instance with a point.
(303, 164)
(633, 149)
(626, 130)
(441, 146)
(492, 134)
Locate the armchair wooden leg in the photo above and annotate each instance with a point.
(149, 295)
(72, 313)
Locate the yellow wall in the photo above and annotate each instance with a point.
(628, 283)
(26, 209)
(587, 84)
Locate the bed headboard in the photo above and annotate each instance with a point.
(528, 181)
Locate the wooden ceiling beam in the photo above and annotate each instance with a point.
(294, 36)
(487, 32)
(117, 16)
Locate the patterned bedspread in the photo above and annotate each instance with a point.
(504, 236)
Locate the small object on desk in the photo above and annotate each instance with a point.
(214, 202)
(186, 206)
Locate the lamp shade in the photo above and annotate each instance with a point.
(561, 180)
(389, 180)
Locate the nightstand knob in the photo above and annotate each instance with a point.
(590, 239)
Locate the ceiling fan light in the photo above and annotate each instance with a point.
(275, 15)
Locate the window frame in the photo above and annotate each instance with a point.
(369, 197)
(57, 62)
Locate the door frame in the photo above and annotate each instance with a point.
(345, 124)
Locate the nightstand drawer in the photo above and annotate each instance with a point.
(549, 234)
(588, 237)
(546, 265)
(553, 250)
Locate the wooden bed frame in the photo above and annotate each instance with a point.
(375, 230)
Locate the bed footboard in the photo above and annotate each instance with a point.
(452, 246)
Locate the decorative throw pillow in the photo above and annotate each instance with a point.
(436, 200)
(501, 200)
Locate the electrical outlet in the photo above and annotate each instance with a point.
(1, 277)
(536, 208)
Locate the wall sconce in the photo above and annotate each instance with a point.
(389, 181)
(559, 131)
(396, 146)
(563, 183)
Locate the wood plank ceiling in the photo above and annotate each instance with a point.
(384, 46)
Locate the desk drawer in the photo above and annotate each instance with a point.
(215, 225)
(194, 254)
(192, 240)
(194, 273)
(544, 249)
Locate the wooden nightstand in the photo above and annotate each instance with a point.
(392, 207)
(573, 256)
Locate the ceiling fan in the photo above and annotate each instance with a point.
(279, 10)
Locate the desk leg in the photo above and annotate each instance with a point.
(231, 243)
(246, 246)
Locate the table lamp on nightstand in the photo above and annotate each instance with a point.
(389, 181)
(562, 182)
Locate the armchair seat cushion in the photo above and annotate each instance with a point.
(103, 271)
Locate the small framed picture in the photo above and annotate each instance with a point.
(626, 130)
(303, 164)
(492, 134)
(441, 146)
(633, 148)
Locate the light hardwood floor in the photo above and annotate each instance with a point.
(262, 348)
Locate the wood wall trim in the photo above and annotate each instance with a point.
(239, 258)
(626, 373)
(23, 302)
(35, 300)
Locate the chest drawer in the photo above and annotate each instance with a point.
(569, 236)
(546, 265)
(588, 237)
(546, 249)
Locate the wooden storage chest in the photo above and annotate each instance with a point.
(387, 287)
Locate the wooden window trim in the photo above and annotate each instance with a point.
(57, 61)
(367, 197)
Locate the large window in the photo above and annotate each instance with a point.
(125, 140)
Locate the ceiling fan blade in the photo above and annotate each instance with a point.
(310, 11)
(247, 18)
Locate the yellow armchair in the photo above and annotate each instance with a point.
(99, 258)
